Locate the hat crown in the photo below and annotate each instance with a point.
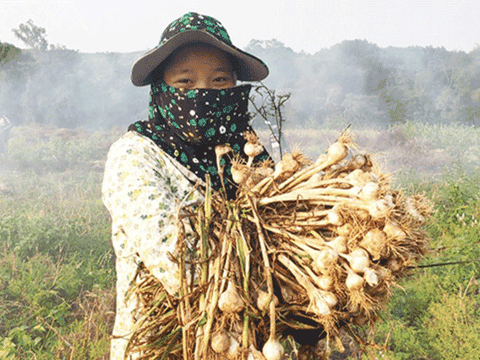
(195, 22)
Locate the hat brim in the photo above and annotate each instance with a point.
(250, 68)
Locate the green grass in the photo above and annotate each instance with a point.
(57, 265)
(57, 269)
(435, 314)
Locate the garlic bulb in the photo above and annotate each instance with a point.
(382, 272)
(378, 209)
(336, 152)
(358, 161)
(239, 172)
(374, 242)
(334, 218)
(329, 297)
(339, 244)
(324, 282)
(221, 150)
(390, 200)
(369, 191)
(263, 300)
(286, 167)
(370, 277)
(354, 282)
(358, 260)
(353, 307)
(230, 301)
(394, 232)
(321, 301)
(220, 341)
(345, 230)
(233, 350)
(359, 178)
(320, 307)
(253, 149)
(264, 171)
(254, 354)
(325, 260)
(273, 350)
(412, 210)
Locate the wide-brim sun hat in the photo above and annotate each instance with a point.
(191, 28)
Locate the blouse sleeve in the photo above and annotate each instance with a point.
(142, 189)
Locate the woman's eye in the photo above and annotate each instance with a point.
(224, 81)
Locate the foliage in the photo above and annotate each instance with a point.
(43, 148)
(56, 270)
(8, 52)
(32, 35)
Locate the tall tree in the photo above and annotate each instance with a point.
(32, 35)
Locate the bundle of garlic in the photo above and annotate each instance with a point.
(305, 246)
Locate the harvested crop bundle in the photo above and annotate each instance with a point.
(304, 250)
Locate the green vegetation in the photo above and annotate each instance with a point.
(57, 279)
(8, 52)
(435, 314)
(57, 265)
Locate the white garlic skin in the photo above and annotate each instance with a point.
(336, 152)
(354, 282)
(252, 149)
(254, 354)
(375, 242)
(233, 349)
(358, 259)
(370, 277)
(273, 350)
(262, 300)
(220, 341)
(230, 301)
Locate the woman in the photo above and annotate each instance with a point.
(194, 106)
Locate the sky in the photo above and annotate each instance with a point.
(308, 25)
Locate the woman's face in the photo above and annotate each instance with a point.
(199, 66)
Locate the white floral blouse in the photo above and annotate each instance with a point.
(142, 189)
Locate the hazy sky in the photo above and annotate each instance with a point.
(309, 25)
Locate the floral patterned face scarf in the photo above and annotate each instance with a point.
(188, 124)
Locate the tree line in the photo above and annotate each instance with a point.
(354, 82)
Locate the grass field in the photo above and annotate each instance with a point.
(57, 271)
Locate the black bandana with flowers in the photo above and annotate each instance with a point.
(188, 124)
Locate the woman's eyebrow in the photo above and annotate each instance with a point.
(223, 69)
